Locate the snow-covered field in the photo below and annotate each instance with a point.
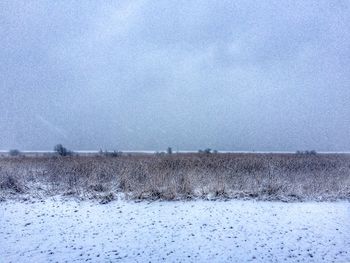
(193, 231)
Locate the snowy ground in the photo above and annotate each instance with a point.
(193, 231)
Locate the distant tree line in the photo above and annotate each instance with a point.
(312, 152)
(110, 154)
(60, 150)
(14, 152)
(207, 151)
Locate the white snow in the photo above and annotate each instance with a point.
(193, 231)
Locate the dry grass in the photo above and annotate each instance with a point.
(178, 176)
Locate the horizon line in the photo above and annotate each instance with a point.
(175, 151)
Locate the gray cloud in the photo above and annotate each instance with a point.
(231, 75)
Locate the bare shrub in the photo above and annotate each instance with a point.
(175, 176)
(11, 183)
(62, 151)
(105, 199)
(98, 188)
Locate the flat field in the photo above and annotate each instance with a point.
(178, 231)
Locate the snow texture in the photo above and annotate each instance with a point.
(194, 231)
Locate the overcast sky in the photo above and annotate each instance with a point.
(145, 75)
